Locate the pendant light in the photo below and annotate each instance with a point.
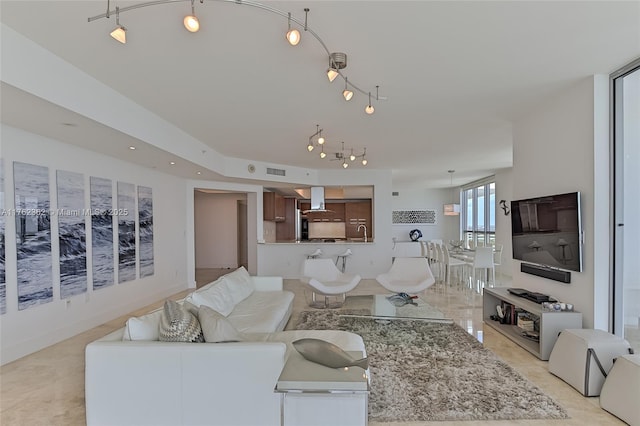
(348, 94)
(119, 32)
(293, 35)
(191, 22)
(451, 209)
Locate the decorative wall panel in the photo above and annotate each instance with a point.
(126, 232)
(72, 237)
(101, 194)
(145, 230)
(427, 217)
(33, 234)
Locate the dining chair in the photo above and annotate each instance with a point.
(497, 258)
(439, 261)
(483, 259)
(424, 250)
(451, 264)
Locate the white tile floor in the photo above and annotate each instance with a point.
(47, 387)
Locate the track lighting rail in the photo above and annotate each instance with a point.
(302, 24)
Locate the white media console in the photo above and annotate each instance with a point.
(550, 323)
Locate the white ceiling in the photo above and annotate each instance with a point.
(456, 74)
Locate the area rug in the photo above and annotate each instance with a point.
(434, 371)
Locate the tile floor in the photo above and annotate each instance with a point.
(47, 387)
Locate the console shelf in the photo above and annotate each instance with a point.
(550, 324)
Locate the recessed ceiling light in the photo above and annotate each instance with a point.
(198, 173)
(69, 124)
(172, 162)
(132, 147)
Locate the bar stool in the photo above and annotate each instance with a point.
(343, 257)
(316, 254)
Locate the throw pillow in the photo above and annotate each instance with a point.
(327, 354)
(177, 324)
(239, 284)
(216, 297)
(144, 327)
(216, 328)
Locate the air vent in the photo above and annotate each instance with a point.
(276, 172)
(395, 193)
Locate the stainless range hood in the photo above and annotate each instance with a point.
(317, 200)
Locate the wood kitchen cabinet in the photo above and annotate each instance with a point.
(358, 213)
(335, 213)
(273, 207)
(286, 230)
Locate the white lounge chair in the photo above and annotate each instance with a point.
(407, 275)
(326, 279)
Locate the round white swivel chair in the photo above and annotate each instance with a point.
(407, 275)
(325, 279)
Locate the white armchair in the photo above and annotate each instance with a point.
(407, 275)
(326, 279)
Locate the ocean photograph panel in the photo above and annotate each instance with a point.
(145, 230)
(72, 236)
(126, 232)
(33, 235)
(101, 194)
(3, 213)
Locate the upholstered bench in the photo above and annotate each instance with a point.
(620, 391)
(583, 358)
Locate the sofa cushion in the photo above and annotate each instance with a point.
(262, 312)
(217, 328)
(144, 327)
(239, 284)
(217, 297)
(177, 324)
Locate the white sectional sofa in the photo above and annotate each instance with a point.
(132, 378)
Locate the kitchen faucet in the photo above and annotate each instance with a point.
(365, 231)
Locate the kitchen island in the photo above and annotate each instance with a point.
(286, 257)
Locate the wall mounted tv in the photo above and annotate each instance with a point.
(547, 231)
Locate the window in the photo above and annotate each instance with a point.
(479, 213)
(626, 227)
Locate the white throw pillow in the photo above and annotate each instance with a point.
(216, 328)
(144, 327)
(211, 284)
(216, 297)
(239, 284)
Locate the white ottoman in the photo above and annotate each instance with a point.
(583, 358)
(620, 391)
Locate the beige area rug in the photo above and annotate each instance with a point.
(434, 371)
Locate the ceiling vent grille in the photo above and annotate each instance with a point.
(276, 172)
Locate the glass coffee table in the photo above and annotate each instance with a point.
(379, 306)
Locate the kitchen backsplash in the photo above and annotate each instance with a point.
(327, 230)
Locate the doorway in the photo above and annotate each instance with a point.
(220, 233)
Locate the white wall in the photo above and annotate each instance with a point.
(216, 229)
(446, 227)
(29, 330)
(554, 152)
(504, 191)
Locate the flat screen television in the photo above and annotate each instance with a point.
(547, 231)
